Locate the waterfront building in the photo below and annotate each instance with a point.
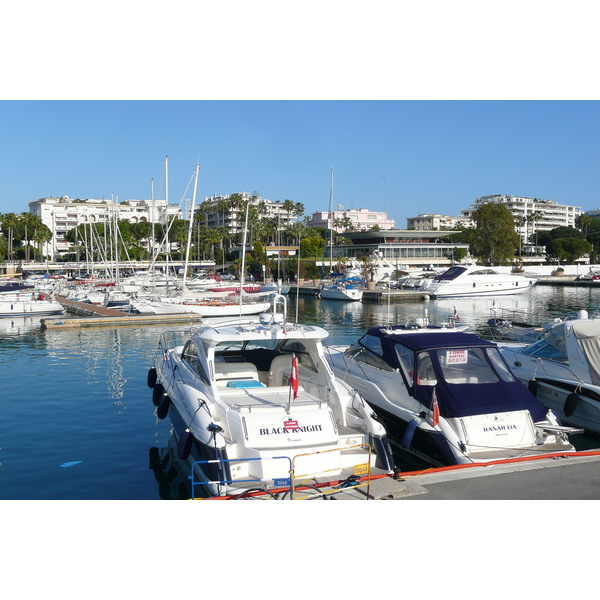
(401, 247)
(63, 214)
(229, 211)
(428, 222)
(531, 215)
(341, 220)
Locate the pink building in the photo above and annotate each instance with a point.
(357, 219)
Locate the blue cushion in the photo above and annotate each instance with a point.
(244, 383)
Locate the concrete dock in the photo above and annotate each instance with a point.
(92, 315)
(565, 477)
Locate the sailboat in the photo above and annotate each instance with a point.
(235, 301)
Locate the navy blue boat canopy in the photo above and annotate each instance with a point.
(469, 375)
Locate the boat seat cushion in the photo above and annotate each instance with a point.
(244, 383)
(280, 370)
(225, 372)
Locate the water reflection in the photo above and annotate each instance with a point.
(170, 472)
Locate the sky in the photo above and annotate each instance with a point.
(413, 109)
(417, 108)
(403, 157)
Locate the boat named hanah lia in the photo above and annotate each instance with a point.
(255, 406)
(447, 397)
(478, 280)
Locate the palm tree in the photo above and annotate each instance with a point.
(289, 208)
(519, 222)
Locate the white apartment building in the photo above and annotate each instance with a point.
(63, 214)
(538, 215)
(427, 222)
(222, 211)
(361, 219)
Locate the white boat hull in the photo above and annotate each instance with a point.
(29, 307)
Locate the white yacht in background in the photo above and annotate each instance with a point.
(28, 304)
(347, 288)
(478, 280)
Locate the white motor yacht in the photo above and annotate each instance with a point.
(348, 288)
(447, 397)
(25, 304)
(563, 369)
(478, 280)
(255, 406)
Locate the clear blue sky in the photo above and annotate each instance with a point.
(437, 156)
(448, 101)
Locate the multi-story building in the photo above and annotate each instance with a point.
(531, 214)
(228, 211)
(427, 222)
(403, 248)
(357, 219)
(63, 214)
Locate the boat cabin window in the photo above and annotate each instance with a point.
(552, 346)
(499, 364)
(406, 358)
(484, 272)
(425, 373)
(451, 273)
(369, 358)
(298, 348)
(190, 356)
(372, 343)
(466, 365)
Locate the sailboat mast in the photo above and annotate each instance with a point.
(242, 278)
(167, 219)
(331, 221)
(189, 240)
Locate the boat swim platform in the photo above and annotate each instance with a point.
(98, 316)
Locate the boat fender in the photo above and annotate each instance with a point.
(157, 392)
(409, 433)
(532, 386)
(185, 444)
(151, 377)
(571, 404)
(162, 410)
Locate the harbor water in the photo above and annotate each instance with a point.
(77, 418)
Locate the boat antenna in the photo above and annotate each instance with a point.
(243, 260)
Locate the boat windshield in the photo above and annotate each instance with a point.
(552, 346)
(451, 273)
(466, 365)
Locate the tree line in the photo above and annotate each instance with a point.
(495, 241)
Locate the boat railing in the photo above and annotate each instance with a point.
(517, 317)
(173, 339)
(284, 482)
(298, 486)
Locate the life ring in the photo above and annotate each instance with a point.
(162, 410)
(157, 392)
(532, 386)
(571, 404)
(151, 377)
(185, 444)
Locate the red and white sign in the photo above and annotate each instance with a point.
(457, 357)
(290, 424)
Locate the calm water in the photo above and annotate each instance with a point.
(77, 418)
